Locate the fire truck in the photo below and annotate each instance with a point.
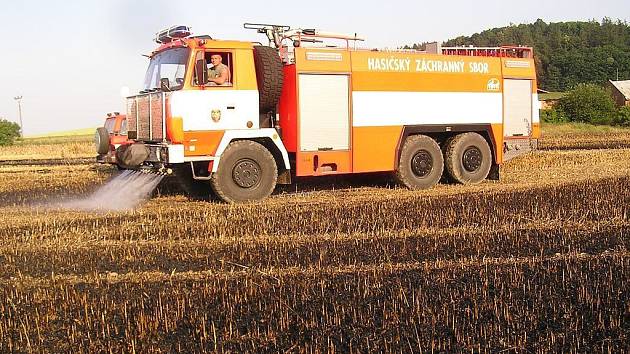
(301, 106)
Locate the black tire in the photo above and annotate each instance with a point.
(195, 189)
(247, 171)
(468, 158)
(420, 164)
(269, 76)
(101, 140)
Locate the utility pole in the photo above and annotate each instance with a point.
(612, 61)
(617, 73)
(19, 102)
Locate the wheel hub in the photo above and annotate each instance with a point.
(421, 163)
(472, 159)
(246, 173)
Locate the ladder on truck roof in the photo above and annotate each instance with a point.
(278, 33)
(503, 51)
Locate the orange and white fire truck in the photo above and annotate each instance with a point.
(303, 107)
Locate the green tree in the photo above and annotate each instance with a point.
(566, 53)
(622, 117)
(9, 131)
(588, 103)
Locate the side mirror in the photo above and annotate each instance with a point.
(201, 74)
(165, 84)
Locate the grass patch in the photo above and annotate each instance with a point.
(53, 147)
(47, 140)
(75, 132)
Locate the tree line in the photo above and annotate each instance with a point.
(566, 53)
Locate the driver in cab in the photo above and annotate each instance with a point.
(218, 73)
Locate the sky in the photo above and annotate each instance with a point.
(70, 59)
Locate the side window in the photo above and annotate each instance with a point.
(220, 68)
(123, 127)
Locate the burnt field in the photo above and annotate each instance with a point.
(537, 262)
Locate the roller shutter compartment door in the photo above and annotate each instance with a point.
(324, 112)
(517, 98)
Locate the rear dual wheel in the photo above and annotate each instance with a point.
(420, 164)
(468, 158)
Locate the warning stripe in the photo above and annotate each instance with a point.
(377, 108)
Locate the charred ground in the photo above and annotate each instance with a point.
(536, 262)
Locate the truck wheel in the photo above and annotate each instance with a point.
(421, 164)
(247, 171)
(468, 158)
(269, 76)
(101, 140)
(196, 190)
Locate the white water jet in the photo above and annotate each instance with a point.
(122, 193)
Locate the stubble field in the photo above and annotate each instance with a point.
(537, 262)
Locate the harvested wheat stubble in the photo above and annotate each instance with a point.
(615, 140)
(48, 151)
(583, 136)
(493, 271)
(605, 199)
(540, 303)
(312, 251)
(538, 262)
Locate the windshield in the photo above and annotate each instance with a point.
(170, 64)
(109, 124)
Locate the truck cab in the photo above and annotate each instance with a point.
(184, 123)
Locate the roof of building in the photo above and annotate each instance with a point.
(623, 87)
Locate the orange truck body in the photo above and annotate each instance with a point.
(394, 94)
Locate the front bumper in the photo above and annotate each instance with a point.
(165, 153)
(157, 153)
(148, 156)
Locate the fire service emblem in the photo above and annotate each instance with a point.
(494, 85)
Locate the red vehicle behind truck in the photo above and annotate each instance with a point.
(110, 137)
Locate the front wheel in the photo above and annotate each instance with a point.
(421, 164)
(247, 171)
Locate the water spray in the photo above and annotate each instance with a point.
(123, 192)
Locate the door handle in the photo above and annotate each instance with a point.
(231, 107)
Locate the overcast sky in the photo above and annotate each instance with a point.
(69, 59)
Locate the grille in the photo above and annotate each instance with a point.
(145, 116)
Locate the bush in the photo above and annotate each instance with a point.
(9, 131)
(588, 103)
(622, 117)
(553, 115)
